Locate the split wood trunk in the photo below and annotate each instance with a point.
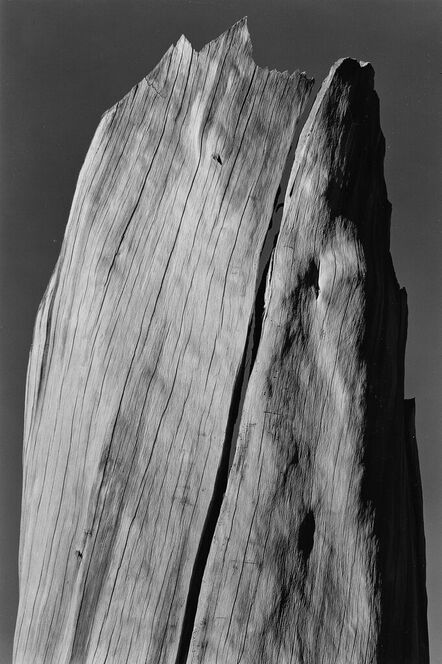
(140, 541)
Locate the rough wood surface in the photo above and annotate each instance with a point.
(316, 558)
(138, 343)
(138, 543)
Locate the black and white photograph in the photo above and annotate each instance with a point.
(220, 331)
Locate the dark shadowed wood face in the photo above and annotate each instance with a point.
(302, 562)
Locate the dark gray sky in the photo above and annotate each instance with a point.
(64, 62)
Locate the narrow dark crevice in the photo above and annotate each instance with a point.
(255, 326)
(300, 126)
(211, 518)
(255, 329)
(312, 277)
(306, 536)
(234, 418)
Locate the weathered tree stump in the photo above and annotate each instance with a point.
(138, 542)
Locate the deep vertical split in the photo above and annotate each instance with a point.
(234, 419)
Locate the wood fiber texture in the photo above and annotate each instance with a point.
(139, 545)
(138, 342)
(315, 557)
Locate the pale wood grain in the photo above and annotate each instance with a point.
(137, 345)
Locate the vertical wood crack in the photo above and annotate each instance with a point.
(233, 422)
